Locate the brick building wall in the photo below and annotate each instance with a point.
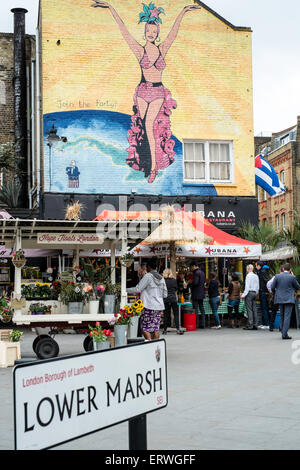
(6, 88)
(285, 159)
(6, 82)
(88, 69)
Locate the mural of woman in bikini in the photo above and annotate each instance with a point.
(150, 144)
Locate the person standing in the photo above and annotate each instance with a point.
(73, 173)
(234, 295)
(249, 294)
(171, 301)
(153, 290)
(214, 298)
(197, 284)
(284, 287)
(263, 293)
(273, 307)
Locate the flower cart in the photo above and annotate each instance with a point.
(71, 235)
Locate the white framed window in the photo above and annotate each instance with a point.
(282, 177)
(277, 222)
(208, 162)
(285, 139)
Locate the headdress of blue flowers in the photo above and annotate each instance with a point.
(150, 14)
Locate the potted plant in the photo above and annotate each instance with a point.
(100, 337)
(73, 295)
(94, 294)
(112, 294)
(10, 350)
(134, 311)
(15, 336)
(18, 258)
(127, 259)
(121, 322)
(55, 289)
(40, 309)
(5, 310)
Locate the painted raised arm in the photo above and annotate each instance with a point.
(136, 48)
(167, 43)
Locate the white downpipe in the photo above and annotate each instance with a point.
(28, 137)
(18, 274)
(33, 124)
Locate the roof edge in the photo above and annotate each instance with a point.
(236, 28)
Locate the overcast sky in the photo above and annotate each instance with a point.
(276, 41)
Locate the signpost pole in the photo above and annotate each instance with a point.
(138, 433)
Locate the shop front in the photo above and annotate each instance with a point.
(39, 304)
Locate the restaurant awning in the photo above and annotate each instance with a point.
(222, 244)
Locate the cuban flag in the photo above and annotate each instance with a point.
(267, 178)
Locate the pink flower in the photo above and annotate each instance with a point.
(155, 13)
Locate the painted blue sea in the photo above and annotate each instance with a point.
(96, 145)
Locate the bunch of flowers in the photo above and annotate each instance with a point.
(89, 291)
(36, 290)
(98, 334)
(42, 289)
(100, 289)
(40, 309)
(56, 288)
(126, 314)
(5, 309)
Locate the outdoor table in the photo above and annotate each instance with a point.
(222, 309)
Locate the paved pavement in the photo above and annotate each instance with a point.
(228, 390)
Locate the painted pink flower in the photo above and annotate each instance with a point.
(155, 13)
(169, 147)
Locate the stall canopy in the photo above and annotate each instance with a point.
(282, 253)
(222, 244)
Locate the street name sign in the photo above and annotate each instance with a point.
(61, 399)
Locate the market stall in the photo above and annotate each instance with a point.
(21, 235)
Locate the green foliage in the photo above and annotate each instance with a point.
(15, 336)
(265, 234)
(40, 308)
(7, 156)
(72, 292)
(10, 193)
(292, 235)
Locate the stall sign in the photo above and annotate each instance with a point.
(69, 238)
(61, 399)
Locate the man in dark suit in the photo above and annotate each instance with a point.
(197, 285)
(284, 287)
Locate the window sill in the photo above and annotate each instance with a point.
(215, 185)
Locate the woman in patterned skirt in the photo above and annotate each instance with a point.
(152, 289)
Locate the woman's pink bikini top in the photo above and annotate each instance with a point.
(159, 64)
